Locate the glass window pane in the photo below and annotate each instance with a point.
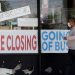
(53, 15)
(7, 5)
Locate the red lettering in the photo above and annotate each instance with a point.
(17, 42)
(2, 42)
(22, 41)
(8, 39)
(13, 48)
(25, 42)
(34, 43)
(28, 43)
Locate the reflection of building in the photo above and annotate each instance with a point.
(8, 5)
(58, 13)
(44, 9)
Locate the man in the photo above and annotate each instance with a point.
(71, 45)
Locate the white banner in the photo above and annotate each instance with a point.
(18, 41)
(52, 41)
(28, 22)
(15, 13)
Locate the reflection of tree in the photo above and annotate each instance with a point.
(72, 13)
(35, 16)
(48, 22)
(51, 17)
(5, 5)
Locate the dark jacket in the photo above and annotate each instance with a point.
(19, 72)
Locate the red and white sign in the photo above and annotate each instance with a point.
(18, 41)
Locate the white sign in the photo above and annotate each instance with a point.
(15, 13)
(28, 22)
(52, 41)
(18, 41)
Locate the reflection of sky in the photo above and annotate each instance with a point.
(55, 3)
(21, 3)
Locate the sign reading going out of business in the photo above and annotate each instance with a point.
(52, 41)
(18, 12)
(28, 22)
(20, 41)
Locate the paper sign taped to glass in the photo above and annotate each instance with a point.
(20, 41)
(18, 12)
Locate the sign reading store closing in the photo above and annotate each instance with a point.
(52, 41)
(20, 41)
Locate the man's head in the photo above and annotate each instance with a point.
(71, 22)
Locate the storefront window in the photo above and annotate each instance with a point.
(7, 5)
(55, 15)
